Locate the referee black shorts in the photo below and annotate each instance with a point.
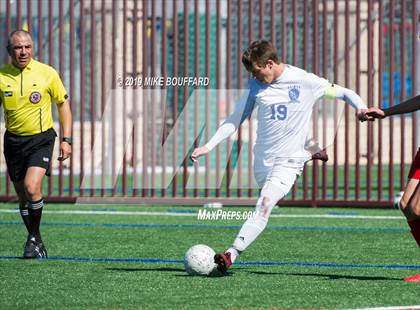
(22, 152)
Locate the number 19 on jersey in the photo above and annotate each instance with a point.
(278, 112)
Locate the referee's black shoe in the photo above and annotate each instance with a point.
(42, 249)
(32, 249)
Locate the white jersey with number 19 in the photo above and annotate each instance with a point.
(284, 111)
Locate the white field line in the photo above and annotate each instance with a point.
(391, 308)
(183, 214)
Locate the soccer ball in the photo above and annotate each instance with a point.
(199, 260)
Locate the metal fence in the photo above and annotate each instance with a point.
(136, 118)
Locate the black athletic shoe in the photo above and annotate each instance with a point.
(42, 249)
(31, 249)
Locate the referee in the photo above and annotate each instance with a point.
(26, 90)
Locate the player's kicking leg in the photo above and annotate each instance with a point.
(254, 226)
(250, 230)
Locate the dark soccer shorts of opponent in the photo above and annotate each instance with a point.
(22, 152)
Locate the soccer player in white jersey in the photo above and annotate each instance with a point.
(284, 95)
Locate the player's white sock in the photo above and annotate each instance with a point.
(234, 254)
(250, 230)
(254, 226)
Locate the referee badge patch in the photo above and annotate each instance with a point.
(35, 97)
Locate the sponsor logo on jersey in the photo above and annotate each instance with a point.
(8, 94)
(294, 92)
(35, 97)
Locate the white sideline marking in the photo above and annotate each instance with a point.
(391, 308)
(182, 214)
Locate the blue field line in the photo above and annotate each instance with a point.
(122, 225)
(177, 261)
(173, 210)
(331, 265)
(101, 209)
(103, 260)
(343, 213)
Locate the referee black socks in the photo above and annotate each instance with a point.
(24, 213)
(35, 213)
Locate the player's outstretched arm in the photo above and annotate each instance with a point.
(224, 131)
(199, 151)
(230, 125)
(407, 106)
(351, 98)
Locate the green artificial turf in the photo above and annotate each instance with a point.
(327, 262)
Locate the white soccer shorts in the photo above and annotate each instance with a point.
(280, 172)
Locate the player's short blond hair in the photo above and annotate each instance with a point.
(258, 53)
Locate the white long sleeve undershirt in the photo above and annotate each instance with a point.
(347, 95)
(232, 122)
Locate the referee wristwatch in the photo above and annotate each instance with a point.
(68, 140)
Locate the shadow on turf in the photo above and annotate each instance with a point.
(229, 274)
(147, 269)
(182, 273)
(328, 276)
(180, 270)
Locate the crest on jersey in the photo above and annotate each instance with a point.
(294, 92)
(35, 97)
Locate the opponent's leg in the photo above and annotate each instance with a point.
(410, 206)
(414, 202)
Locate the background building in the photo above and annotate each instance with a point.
(127, 143)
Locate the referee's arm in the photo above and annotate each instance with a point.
(65, 115)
